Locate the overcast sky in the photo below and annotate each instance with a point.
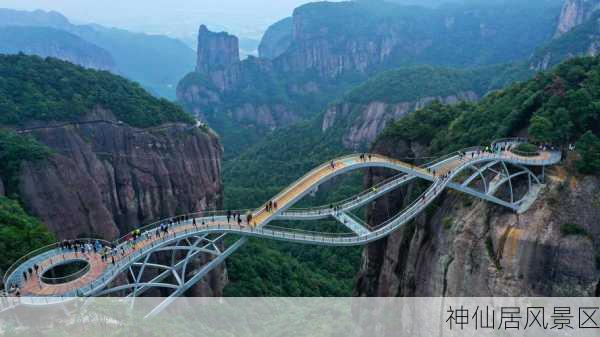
(173, 17)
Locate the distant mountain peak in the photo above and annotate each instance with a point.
(216, 50)
(574, 13)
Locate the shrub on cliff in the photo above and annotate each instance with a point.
(32, 88)
(19, 233)
(588, 148)
(14, 149)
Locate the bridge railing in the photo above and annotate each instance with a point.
(67, 278)
(304, 177)
(203, 215)
(348, 202)
(38, 255)
(307, 233)
(357, 219)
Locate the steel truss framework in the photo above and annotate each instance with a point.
(167, 268)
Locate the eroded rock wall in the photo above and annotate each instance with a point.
(467, 247)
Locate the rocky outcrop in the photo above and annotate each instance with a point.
(216, 50)
(574, 13)
(364, 122)
(336, 45)
(467, 247)
(277, 39)
(105, 178)
(581, 40)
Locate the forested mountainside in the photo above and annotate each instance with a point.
(277, 39)
(574, 13)
(466, 247)
(583, 39)
(287, 153)
(156, 62)
(367, 107)
(51, 42)
(335, 46)
(111, 155)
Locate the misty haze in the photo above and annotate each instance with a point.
(435, 150)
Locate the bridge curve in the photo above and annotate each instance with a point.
(203, 230)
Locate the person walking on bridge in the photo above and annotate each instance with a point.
(332, 165)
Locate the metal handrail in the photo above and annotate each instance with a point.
(277, 229)
(350, 200)
(284, 232)
(40, 251)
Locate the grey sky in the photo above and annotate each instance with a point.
(179, 18)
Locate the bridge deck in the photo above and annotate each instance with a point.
(103, 272)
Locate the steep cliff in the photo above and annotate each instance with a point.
(333, 47)
(216, 50)
(467, 247)
(110, 177)
(277, 39)
(581, 40)
(113, 156)
(365, 111)
(574, 13)
(462, 246)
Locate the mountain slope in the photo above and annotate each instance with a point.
(287, 153)
(156, 62)
(467, 247)
(112, 156)
(33, 89)
(335, 46)
(581, 40)
(50, 42)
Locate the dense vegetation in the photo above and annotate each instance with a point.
(32, 88)
(15, 149)
(474, 33)
(156, 62)
(561, 107)
(577, 41)
(408, 84)
(286, 154)
(19, 233)
(290, 269)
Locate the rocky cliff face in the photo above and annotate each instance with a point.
(574, 13)
(331, 47)
(364, 122)
(216, 50)
(467, 247)
(277, 39)
(581, 40)
(104, 178)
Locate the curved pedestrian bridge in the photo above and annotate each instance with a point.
(132, 267)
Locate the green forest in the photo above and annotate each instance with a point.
(561, 106)
(288, 153)
(32, 88)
